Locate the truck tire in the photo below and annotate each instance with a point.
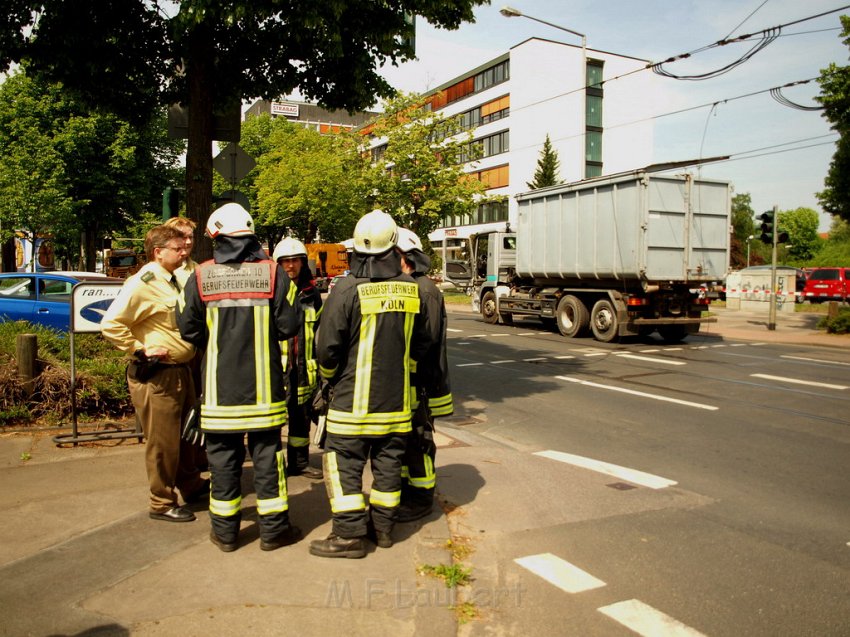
(488, 308)
(572, 316)
(603, 321)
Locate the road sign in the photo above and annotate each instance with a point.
(89, 302)
(233, 163)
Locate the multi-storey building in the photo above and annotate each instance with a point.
(595, 107)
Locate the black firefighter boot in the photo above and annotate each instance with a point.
(298, 463)
(335, 546)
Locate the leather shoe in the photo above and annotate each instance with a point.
(413, 512)
(382, 538)
(201, 493)
(174, 514)
(227, 547)
(308, 472)
(287, 536)
(335, 546)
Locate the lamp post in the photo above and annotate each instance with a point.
(510, 12)
(750, 238)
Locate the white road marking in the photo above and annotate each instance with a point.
(468, 364)
(673, 349)
(453, 329)
(560, 573)
(504, 361)
(756, 344)
(797, 381)
(533, 360)
(813, 360)
(645, 620)
(649, 351)
(700, 347)
(565, 356)
(651, 359)
(477, 336)
(637, 393)
(596, 354)
(499, 334)
(737, 345)
(463, 343)
(526, 333)
(623, 473)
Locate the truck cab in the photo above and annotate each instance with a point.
(493, 258)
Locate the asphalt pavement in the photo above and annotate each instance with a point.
(80, 556)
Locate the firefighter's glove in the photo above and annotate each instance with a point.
(192, 427)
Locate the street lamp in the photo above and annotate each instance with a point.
(510, 12)
(750, 238)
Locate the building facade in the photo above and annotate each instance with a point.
(310, 115)
(536, 89)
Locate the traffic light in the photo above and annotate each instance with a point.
(170, 203)
(767, 227)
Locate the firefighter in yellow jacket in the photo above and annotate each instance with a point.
(371, 328)
(238, 307)
(432, 394)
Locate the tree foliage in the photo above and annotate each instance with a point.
(801, 225)
(835, 251)
(743, 227)
(835, 98)
(70, 171)
(130, 55)
(548, 172)
(419, 177)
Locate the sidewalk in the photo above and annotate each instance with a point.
(79, 555)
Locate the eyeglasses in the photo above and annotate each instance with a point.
(180, 249)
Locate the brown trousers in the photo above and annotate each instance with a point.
(161, 404)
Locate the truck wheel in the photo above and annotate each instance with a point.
(603, 321)
(672, 333)
(488, 308)
(507, 318)
(572, 316)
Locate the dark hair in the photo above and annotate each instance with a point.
(158, 237)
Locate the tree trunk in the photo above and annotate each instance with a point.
(9, 258)
(199, 165)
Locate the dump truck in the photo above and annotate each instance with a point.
(614, 256)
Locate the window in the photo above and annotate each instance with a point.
(19, 288)
(594, 73)
(593, 110)
(593, 146)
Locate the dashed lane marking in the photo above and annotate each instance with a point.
(565, 356)
(813, 360)
(527, 334)
(509, 360)
(797, 381)
(623, 473)
(560, 573)
(453, 329)
(645, 620)
(469, 364)
(651, 359)
(633, 392)
(534, 360)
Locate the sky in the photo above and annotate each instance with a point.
(779, 155)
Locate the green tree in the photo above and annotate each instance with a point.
(835, 251)
(97, 171)
(835, 98)
(419, 177)
(548, 171)
(131, 55)
(307, 183)
(801, 225)
(743, 227)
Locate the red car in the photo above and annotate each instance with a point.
(827, 284)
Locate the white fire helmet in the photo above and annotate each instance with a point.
(407, 241)
(231, 220)
(375, 233)
(289, 247)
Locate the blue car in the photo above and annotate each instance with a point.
(42, 298)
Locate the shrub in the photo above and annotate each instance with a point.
(838, 325)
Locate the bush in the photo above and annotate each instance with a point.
(101, 383)
(838, 325)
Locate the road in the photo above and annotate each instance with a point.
(753, 438)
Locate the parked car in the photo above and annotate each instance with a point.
(784, 270)
(827, 284)
(42, 298)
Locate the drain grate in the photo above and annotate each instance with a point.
(621, 486)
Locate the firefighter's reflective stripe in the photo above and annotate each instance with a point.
(225, 508)
(339, 501)
(363, 379)
(211, 357)
(279, 504)
(295, 441)
(261, 350)
(243, 417)
(327, 372)
(385, 499)
(441, 405)
(310, 318)
(428, 481)
(284, 355)
(369, 425)
(291, 294)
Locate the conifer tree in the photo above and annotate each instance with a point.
(548, 168)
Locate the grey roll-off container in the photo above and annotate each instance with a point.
(627, 230)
